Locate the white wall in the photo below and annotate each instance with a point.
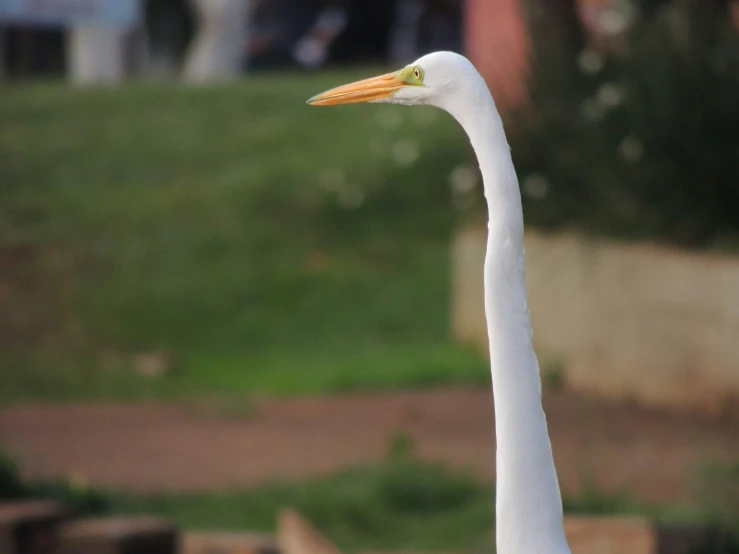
(636, 322)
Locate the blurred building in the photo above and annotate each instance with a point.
(82, 38)
(313, 33)
(281, 33)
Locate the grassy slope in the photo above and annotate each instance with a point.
(212, 224)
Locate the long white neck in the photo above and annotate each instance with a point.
(528, 503)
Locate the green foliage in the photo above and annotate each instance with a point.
(402, 505)
(413, 487)
(641, 140)
(11, 484)
(400, 447)
(81, 498)
(553, 376)
(717, 490)
(718, 542)
(591, 500)
(399, 505)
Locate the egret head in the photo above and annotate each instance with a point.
(432, 80)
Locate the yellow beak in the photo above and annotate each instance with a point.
(375, 88)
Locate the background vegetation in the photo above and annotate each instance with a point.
(635, 135)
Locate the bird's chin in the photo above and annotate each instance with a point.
(387, 100)
(403, 97)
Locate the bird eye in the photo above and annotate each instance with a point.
(416, 73)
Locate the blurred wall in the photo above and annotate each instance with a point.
(629, 322)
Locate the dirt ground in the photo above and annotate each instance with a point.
(151, 447)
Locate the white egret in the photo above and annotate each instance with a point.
(528, 502)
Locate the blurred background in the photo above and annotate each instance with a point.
(216, 302)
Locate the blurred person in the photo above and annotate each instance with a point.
(169, 28)
(315, 33)
(216, 51)
(344, 31)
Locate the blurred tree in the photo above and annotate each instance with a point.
(641, 140)
(649, 7)
(555, 24)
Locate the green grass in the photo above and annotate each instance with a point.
(219, 227)
(390, 506)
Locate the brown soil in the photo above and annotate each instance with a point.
(150, 447)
